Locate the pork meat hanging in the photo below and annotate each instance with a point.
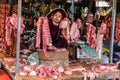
(74, 31)
(43, 29)
(11, 31)
(91, 35)
(65, 26)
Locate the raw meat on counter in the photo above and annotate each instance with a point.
(49, 71)
(68, 70)
(100, 68)
(42, 71)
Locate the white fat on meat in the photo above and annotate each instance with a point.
(74, 32)
(28, 68)
(65, 28)
(23, 72)
(100, 68)
(78, 68)
(60, 69)
(32, 73)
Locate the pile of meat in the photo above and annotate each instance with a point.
(54, 72)
(102, 68)
(42, 71)
(97, 69)
(57, 71)
(49, 71)
(10, 63)
(108, 22)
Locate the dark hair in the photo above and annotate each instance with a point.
(61, 10)
(55, 13)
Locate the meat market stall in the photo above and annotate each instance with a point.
(57, 65)
(74, 72)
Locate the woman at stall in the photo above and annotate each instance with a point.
(52, 31)
(58, 18)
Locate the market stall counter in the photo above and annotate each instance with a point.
(73, 76)
(76, 69)
(88, 72)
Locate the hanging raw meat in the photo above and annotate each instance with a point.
(39, 31)
(102, 29)
(74, 31)
(11, 25)
(43, 29)
(91, 35)
(65, 27)
(11, 32)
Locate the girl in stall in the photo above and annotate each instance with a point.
(59, 26)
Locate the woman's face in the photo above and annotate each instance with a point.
(57, 17)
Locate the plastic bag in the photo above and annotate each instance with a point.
(33, 58)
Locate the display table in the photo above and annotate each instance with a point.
(64, 77)
(73, 76)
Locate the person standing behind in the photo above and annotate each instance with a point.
(55, 17)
